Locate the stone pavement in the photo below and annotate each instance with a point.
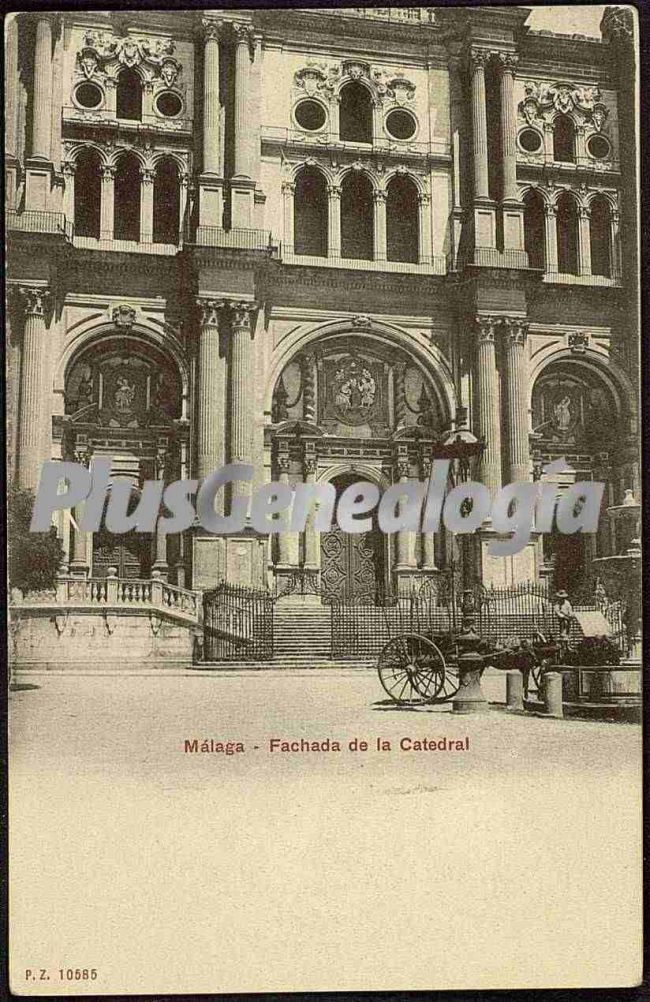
(270, 869)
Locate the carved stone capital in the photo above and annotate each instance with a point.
(334, 190)
(379, 196)
(288, 187)
(211, 30)
(478, 58)
(309, 465)
(584, 212)
(34, 300)
(515, 330)
(209, 310)
(486, 329)
(402, 467)
(68, 168)
(147, 175)
(284, 463)
(508, 61)
(241, 313)
(107, 172)
(550, 210)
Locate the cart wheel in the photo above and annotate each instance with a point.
(411, 669)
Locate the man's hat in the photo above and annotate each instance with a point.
(561, 594)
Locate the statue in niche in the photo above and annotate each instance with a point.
(124, 395)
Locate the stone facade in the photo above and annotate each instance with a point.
(321, 242)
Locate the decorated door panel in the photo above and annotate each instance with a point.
(129, 553)
(351, 566)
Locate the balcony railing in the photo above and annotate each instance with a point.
(567, 278)
(436, 266)
(235, 239)
(402, 15)
(32, 221)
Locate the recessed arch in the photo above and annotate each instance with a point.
(311, 212)
(355, 113)
(567, 234)
(126, 198)
(128, 96)
(402, 219)
(166, 201)
(534, 228)
(357, 216)
(564, 137)
(600, 237)
(87, 194)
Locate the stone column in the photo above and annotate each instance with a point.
(243, 124)
(484, 208)
(512, 207)
(108, 203)
(550, 221)
(424, 229)
(242, 185)
(584, 241)
(308, 366)
(404, 541)
(287, 541)
(211, 179)
(312, 536)
(240, 379)
(288, 191)
(160, 565)
(615, 244)
(508, 64)
(488, 414)
(79, 564)
(478, 59)
(334, 221)
(11, 111)
(211, 390)
(380, 252)
(33, 367)
(42, 107)
(211, 106)
(11, 85)
(146, 205)
(401, 409)
(515, 331)
(428, 538)
(68, 168)
(184, 190)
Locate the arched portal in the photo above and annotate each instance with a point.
(353, 565)
(577, 416)
(126, 210)
(166, 202)
(310, 213)
(355, 115)
(402, 220)
(87, 194)
(122, 400)
(357, 217)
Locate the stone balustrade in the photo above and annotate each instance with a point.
(117, 593)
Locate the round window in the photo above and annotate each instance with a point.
(400, 124)
(310, 115)
(530, 140)
(599, 147)
(88, 95)
(169, 104)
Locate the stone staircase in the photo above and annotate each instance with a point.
(301, 636)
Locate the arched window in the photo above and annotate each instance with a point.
(310, 214)
(355, 114)
(87, 194)
(567, 235)
(600, 238)
(402, 220)
(129, 95)
(564, 139)
(357, 217)
(126, 216)
(166, 203)
(534, 229)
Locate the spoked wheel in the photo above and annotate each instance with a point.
(449, 686)
(411, 669)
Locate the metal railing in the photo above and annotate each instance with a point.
(237, 624)
(437, 265)
(33, 221)
(236, 239)
(401, 15)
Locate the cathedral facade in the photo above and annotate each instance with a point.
(325, 243)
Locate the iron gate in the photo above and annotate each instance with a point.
(237, 624)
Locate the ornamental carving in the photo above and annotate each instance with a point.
(353, 391)
(123, 316)
(107, 53)
(397, 87)
(545, 99)
(317, 78)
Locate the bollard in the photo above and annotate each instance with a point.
(515, 690)
(552, 686)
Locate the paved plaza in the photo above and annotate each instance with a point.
(207, 871)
